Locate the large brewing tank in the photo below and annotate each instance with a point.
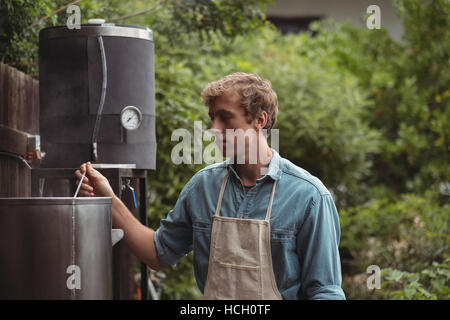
(92, 81)
(55, 248)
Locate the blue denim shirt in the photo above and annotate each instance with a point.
(304, 226)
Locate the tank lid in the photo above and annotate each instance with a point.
(101, 29)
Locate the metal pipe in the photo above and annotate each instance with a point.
(12, 155)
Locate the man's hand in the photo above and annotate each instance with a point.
(94, 183)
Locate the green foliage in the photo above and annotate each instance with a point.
(409, 84)
(228, 17)
(431, 283)
(321, 122)
(23, 19)
(406, 234)
(403, 226)
(16, 17)
(180, 284)
(173, 19)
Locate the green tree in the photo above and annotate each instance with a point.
(409, 84)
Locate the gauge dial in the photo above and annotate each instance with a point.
(131, 118)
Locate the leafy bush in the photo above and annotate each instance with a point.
(407, 234)
(409, 85)
(430, 284)
(171, 20)
(23, 19)
(17, 17)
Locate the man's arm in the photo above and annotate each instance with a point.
(139, 238)
(317, 248)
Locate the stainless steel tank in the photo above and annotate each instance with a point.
(55, 248)
(97, 96)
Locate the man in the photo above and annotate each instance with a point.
(260, 227)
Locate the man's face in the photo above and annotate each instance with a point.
(227, 113)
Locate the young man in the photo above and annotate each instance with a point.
(260, 227)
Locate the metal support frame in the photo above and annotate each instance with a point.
(143, 219)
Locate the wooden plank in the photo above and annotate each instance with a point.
(27, 121)
(35, 108)
(14, 178)
(31, 105)
(13, 141)
(19, 100)
(13, 94)
(3, 94)
(22, 92)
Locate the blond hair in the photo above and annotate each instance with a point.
(255, 95)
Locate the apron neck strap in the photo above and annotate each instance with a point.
(222, 189)
(269, 208)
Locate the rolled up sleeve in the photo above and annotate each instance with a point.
(317, 248)
(173, 239)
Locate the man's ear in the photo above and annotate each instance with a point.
(261, 120)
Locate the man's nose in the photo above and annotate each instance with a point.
(217, 125)
(217, 129)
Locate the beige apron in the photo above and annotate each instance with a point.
(240, 258)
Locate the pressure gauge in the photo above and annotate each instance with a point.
(131, 118)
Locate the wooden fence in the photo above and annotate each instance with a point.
(19, 116)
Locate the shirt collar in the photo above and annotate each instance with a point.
(273, 171)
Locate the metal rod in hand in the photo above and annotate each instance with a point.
(79, 184)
